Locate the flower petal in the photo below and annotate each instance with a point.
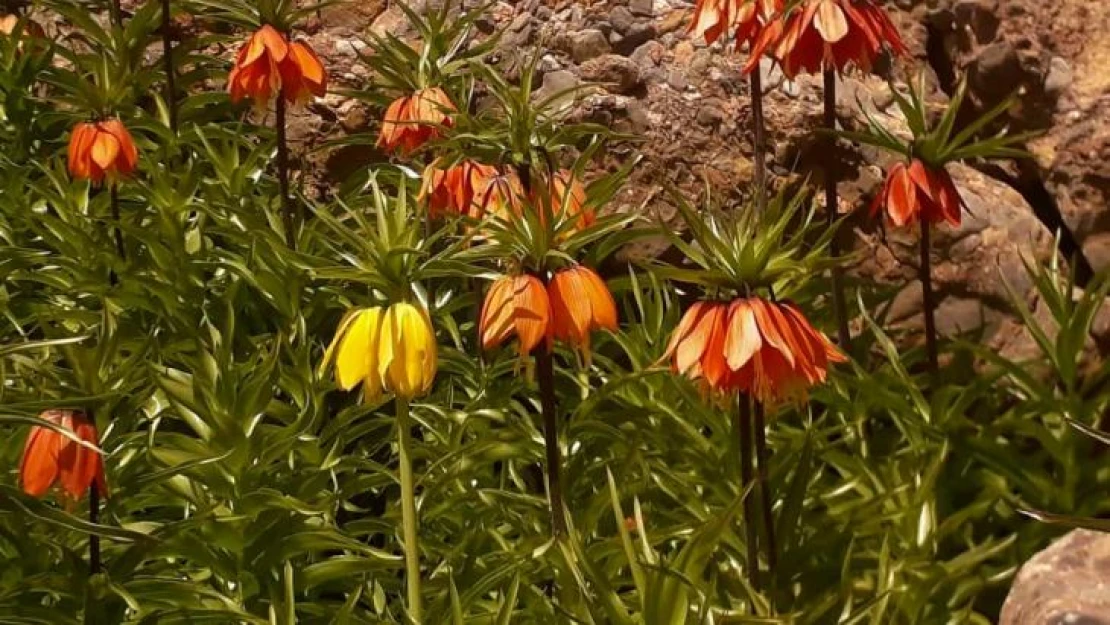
(39, 467)
(743, 339)
(531, 312)
(830, 21)
(357, 349)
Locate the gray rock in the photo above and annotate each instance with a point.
(1069, 582)
(648, 54)
(622, 19)
(1059, 78)
(996, 72)
(645, 8)
(559, 81)
(710, 115)
(618, 74)
(588, 44)
(519, 33)
(980, 17)
(770, 75)
(677, 80)
(639, 118)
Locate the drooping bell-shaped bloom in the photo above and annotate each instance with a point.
(256, 73)
(407, 358)
(412, 121)
(50, 457)
(745, 18)
(515, 305)
(386, 350)
(580, 304)
(828, 34)
(751, 345)
(918, 193)
(102, 150)
(502, 196)
(454, 190)
(302, 74)
(268, 63)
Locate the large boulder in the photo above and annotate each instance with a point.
(1066, 584)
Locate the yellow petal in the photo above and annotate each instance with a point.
(329, 353)
(356, 351)
(408, 351)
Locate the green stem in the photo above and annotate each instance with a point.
(408, 512)
(743, 425)
(839, 306)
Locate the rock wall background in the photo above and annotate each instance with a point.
(690, 104)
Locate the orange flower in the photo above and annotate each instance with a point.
(267, 63)
(32, 31)
(767, 349)
(580, 303)
(50, 457)
(502, 196)
(412, 121)
(103, 149)
(454, 190)
(256, 73)
(747, 18)
(302, 74)
(515, 305)
(828, 34)
(696, 348)
(568, 197)
(918, 193)
(575, 303)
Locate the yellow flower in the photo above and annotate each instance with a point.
(392, 350)
(407, 356)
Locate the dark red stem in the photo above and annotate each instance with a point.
(283, 176)
(840, 307)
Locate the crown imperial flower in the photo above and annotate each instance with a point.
(386, 350)
(575, 303)
(50, 457)
(412, 121)
(916, 192)
(828, 34)
(268, 64)
(102, 150)
(751, 345)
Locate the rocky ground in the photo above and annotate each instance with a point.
(690, 104)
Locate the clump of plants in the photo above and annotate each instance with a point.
(434, 394)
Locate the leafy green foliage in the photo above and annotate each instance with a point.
(933, 140)
(244, 488)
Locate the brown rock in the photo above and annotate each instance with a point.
(1067, 583)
